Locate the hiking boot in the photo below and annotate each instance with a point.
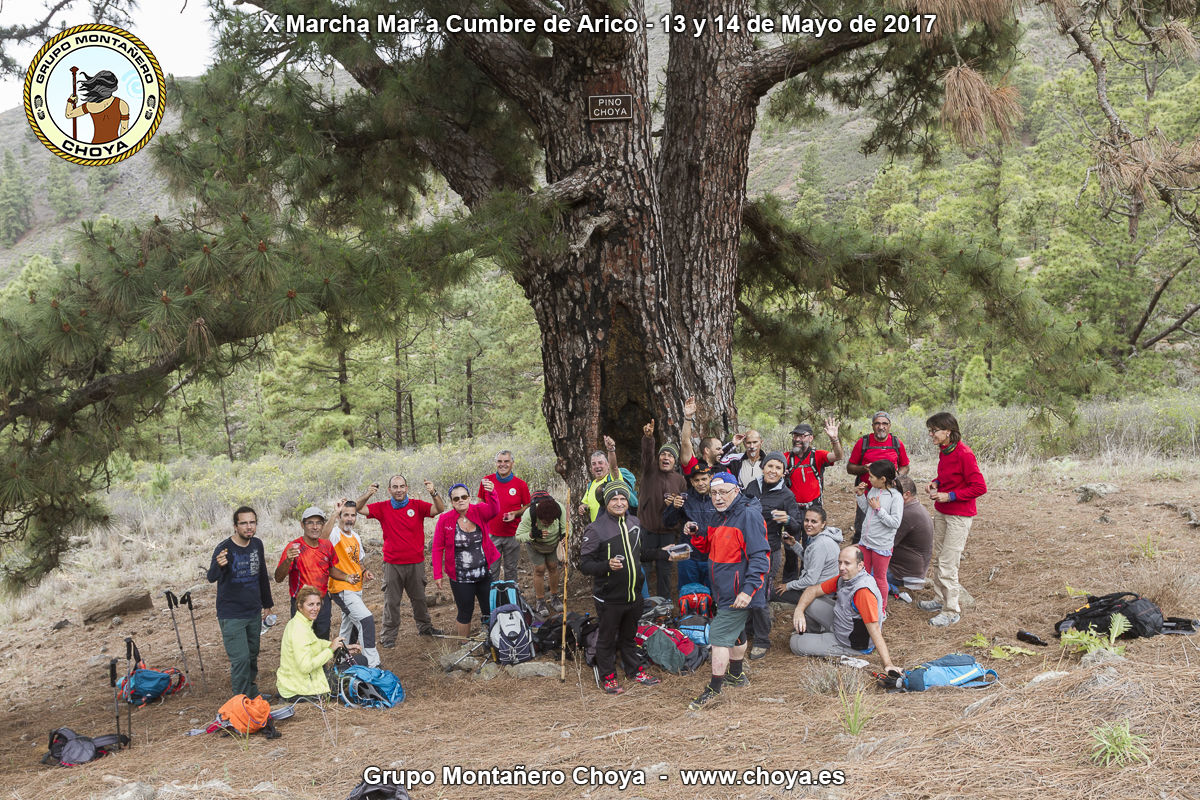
(542, 609)
(943, 619)
(737, 680)
(556, 604)
(707, 696)
(433, 632)
(757, 652)
(929, 605)
(387, 645)
(645, 678)
(905, 596)
(611, 686)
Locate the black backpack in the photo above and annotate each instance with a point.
(381, 791)
(69, 749)
(583, 631)
(1145, 618)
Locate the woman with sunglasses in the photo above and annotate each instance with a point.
(463, 551)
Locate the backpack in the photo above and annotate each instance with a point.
(386, 790)
(368, 687)
(510, 636)
(69, 749)
(864, 441)
(956, 669)
(141, 684)
(507, 593)
(539, 538)
(695, 598)
(695, 627)
(245, 714)
(658, 611)
(1145, 618)
(547, 637)
(583, 631)
(670, 649)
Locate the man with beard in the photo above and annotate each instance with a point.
(806, 475)
(661, 483)
(736, 543)
(747, 466)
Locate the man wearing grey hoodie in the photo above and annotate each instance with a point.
(819, 555)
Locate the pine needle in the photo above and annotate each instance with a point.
(971, 106)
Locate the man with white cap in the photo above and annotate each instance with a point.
(309, 561)
(878, 445)
(735, 539)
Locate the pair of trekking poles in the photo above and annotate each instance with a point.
(186, 600)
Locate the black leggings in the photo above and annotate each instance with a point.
(618, 627)
(466, 593)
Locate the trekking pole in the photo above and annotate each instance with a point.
(173, 601)
(129, 648)
(112, 679)
(562, 667)
(187, 601)
(75, 105)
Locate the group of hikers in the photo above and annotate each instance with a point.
(747, 524)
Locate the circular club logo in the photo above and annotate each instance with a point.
(512, 491)
(410, 513)
(94, 94)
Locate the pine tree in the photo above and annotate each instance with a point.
(61, 192)
(16, 204)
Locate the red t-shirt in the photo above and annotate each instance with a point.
(311, 567)
(864, 601)
(805, 477)
(878, 451)
(403, 529)
(514, 495)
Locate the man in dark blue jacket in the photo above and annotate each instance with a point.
(735, 541)
(239, 568)
(695, 506)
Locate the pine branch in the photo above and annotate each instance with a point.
(768, 67)
(1178, 325)
(1158, 293)
(510, 66)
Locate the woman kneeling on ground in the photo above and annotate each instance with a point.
(464, 552)
(302, 656)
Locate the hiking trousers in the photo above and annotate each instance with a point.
(356, 617)
(398, 579)
(759, 626)
(949, 540)
(818, 638)
(664, 571)
(241, 637)
(510, 557)
(618, 629)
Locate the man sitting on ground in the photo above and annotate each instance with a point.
(819, 555)
(913, 547)
(843, 613)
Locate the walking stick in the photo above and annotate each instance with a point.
(74, 105)
(112, 679)
(562, 675)
(173, 601)
(187, 601)
(129, 667)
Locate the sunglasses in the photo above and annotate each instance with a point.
(456, 498)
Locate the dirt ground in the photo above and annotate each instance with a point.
(1026, 547)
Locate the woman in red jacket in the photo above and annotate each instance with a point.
(953, 492)
(463, 551)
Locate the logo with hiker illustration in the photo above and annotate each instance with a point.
(94, 95)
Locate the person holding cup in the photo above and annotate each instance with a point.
(309, 560)
(781, 513)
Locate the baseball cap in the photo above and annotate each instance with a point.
(312, 511)
(803, 427)
(883, 414)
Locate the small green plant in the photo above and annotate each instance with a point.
(978, 640)
(1089, 641)
(1116, 745)
(160, 481)
(855, 712)
(1073, 592)
(1146, 548)
(1005, 652)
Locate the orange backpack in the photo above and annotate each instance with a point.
(244, 714)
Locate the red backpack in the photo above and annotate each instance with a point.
(695, 598)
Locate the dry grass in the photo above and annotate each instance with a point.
(1030, 541)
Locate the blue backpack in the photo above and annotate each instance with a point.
(141, 684)
(368, 687)
(956, 669)
(695, 627)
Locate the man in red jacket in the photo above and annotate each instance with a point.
(513, 495)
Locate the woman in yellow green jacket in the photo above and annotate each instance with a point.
(302, 655)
